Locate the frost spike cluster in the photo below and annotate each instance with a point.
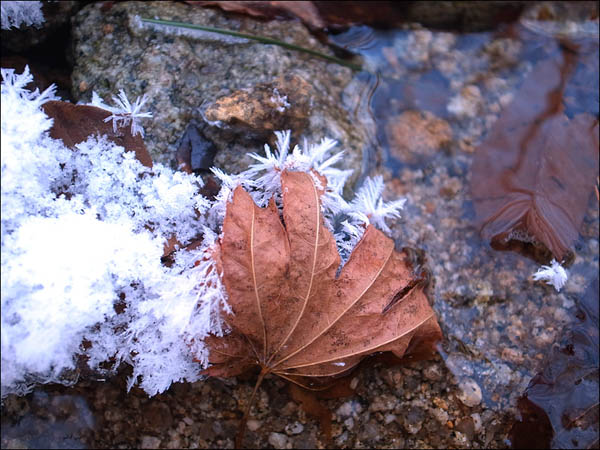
(124, 112)
(554, 275)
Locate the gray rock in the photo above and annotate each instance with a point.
(150, 442)
(278, 440)
(469, 392)
(294, 428)
(253, 424)
(184, 76)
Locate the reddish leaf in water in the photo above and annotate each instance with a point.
(534, 173)
(560, 407)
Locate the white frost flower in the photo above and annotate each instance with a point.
(124, 112)
(554, 274)
(368, 202)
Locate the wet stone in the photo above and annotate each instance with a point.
(264, 108)
(417, 134)
(413, 420)
(469, 392)
(150, 442)
(253, 424)
(294, 428)
(278, 440)
(157, 417)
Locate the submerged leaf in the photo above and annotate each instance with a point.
(534, 173)
(292, 316)
(560, 407)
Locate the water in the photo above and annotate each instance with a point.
(448, 89)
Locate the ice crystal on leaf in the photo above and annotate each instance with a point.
(554, 275)
(312, 158)
(84, 231)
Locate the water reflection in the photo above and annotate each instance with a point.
(440, 96)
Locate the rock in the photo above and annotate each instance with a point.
(433, 372)
(253, 424)
(468, 103)
(349, 408)
(383, 403)
(413, 419)
(188, 76)
(278, 440)
(265, 108)
(415, 134)
(469, 392)
(294, 428)
(150, 442)
(156, 417)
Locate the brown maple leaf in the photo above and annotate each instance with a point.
(533, 174)
(291, 315)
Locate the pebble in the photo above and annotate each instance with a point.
(150, 442)
(389, 418)
(433, 372)
(349, 408)
(253, 424)
(294, 428)
(467, 103)
(415, 133)
(278, 440)
(469, 392)
(476, 421)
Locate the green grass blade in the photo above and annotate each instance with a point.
(262, 39)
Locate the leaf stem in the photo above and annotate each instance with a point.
(262, 39)
(242, 429)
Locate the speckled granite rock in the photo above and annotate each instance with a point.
(184, 76)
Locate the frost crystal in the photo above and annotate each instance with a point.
(369, 204)
(352, 219)
(16, 13)
(313, 158)
(554, 275)
(83, 234)
(124, 112)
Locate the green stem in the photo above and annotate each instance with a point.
(262, 39)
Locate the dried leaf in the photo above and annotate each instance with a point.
(560, 407)
(305, 11)
(292, 316)
(534, 173)
(75, 123)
